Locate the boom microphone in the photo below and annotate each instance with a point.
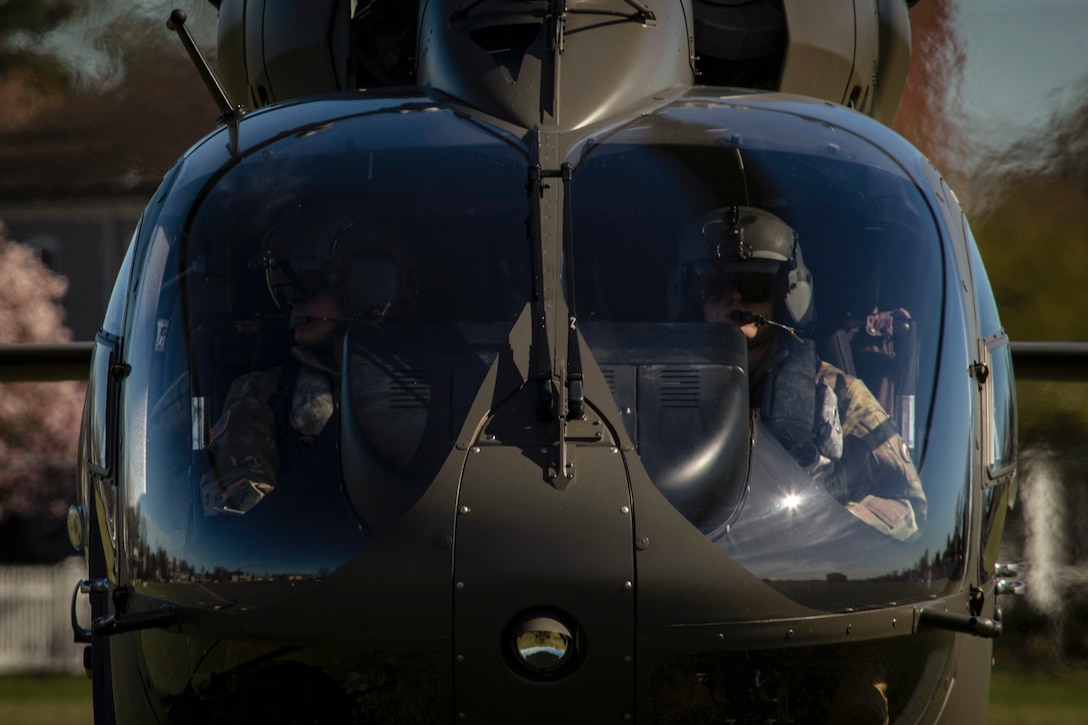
(302, 320)
(744, 317)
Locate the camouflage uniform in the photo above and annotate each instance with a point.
(879, 481)
(249, 447)
(870, 471)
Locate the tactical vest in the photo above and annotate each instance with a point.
(291, 443)
(801, 411)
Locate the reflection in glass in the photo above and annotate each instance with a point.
(893, 680)
(1003, 445)
(267, 280)
(543, 644)
(873, 310)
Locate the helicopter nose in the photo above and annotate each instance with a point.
(544, 583)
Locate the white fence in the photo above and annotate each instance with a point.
(35, 617)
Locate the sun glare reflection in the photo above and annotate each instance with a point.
(791, 501)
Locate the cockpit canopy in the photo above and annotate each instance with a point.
(420, 221)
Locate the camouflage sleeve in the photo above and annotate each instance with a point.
(883, 486)
(242, 447)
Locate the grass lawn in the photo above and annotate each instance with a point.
(1042, 696)
(46, 700)
(1017, 697)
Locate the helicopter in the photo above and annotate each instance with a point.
(545, 491)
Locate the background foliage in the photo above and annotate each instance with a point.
(39, 422)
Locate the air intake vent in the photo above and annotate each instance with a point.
(609, 377)
(679, 388)
(409, 388)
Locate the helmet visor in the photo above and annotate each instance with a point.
(290, 285)
(756, 282)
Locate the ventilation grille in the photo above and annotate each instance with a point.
(409, 389)
(680, 388)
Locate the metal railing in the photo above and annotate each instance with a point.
(44, 361)
(70, 360)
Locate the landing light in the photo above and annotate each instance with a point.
(77, 527)
(791, 501)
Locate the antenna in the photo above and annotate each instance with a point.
(229, 112)
(743, 176)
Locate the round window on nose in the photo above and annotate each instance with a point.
(544, 646)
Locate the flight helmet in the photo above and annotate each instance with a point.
(313, 250)
(752, 248)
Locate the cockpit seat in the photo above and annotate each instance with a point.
(881, 348)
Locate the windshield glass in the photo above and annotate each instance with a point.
(699, 222)
(347, 256)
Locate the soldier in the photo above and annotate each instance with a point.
(745, 268)
(271, 417)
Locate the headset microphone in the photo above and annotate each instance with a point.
(744, 317)
(302, 320)
(376, 315)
